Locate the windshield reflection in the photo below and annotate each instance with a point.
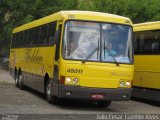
(117, 40)
(114, 45)
(81, 38)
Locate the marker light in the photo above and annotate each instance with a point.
(75, 80)
(62, 79)
(128, 84)
(68, 80)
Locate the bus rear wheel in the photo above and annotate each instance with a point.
(104, 103)
(21, 86)
(50, 98)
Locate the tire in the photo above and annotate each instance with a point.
(49, 97)
(21, 85)
(16, 80)
(103, 103)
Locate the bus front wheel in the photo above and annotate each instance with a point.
(50, 98)
(104, 103)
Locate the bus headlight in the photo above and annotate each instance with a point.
(128, 84)
(68, 80)
(122, 83)
(75, 80)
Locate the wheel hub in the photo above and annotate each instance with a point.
(49, 90)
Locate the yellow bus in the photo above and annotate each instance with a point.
(146, 81)
(75, 55)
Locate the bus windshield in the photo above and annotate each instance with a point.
(110, 42)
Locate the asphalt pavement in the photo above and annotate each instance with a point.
(29, 104)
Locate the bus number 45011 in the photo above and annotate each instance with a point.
(75, 71)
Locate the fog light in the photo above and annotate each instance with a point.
(68, 93)
(128, 84)
(75, 80)
(68, 80)
(124, 96)
(122, 83)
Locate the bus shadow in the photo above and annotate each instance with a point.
(149, 102)
(35, 93)
(72, 104)
(83, 105)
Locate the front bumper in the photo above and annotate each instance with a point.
(85, 93)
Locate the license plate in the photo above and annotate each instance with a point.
(97, 96)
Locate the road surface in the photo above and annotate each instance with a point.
(29, 104)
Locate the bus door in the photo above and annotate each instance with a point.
(56, 59)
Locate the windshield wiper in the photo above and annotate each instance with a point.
(90, 55)
(115, 61)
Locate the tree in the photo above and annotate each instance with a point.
(14, 13)
(18, 12)
(136, 10)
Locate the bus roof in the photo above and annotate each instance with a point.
(76, 15)
(146, 26)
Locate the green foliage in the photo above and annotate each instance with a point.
(85, 5)
(136, 10)
(14, 13)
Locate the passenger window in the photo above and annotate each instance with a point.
(36, 36)
(13, 40)
(43, 35)
(31, 33)
(58, 42)
(147, 42)
(21, 40)
(155, 47)
(51, 32)
(17, 40)
(135, 43)
(26, 36)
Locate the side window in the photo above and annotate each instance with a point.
(58, 42)
(51, 32)
(26, 36)
(135, 44)
(21, 39)
(36, 36)
(31, 33)
(43, 34)
(17, 40)
(138, 42)
(147, 42)
(158, 40)
(13, 41)
(151, 44)
(155, 47)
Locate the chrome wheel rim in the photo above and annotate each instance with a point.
(20, 79)
(16, 80)
(49, 90)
